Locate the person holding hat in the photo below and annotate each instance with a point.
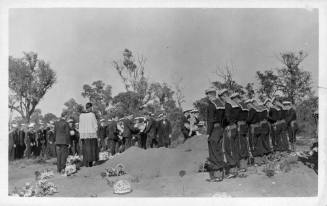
(231, 139)
(291, 124)
(150, 131)
(164, 132)
(242, 132)
(215, 117)
(88, 127)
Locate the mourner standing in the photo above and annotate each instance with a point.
(62, 135)
(13, 137)
(129, 130)
(74, 138)
(164, 131)
(231, 139)
(112, 135)
(273, 118)
(150, 131)
(102, 139)
(242, 132)
(88, 134)
(214, 117)
(51, 139)
(281, 127)
(21, 141)
(255, 132)
(291, 124)
(31, 141)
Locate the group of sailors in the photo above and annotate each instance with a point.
(245, 131)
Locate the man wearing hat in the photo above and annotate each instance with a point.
(215, 117)
(242, 132)
(282, 127)
(231, 139)
(62, 142)
(150, 131)
(102, 138)
(164, 131)
(291, 124)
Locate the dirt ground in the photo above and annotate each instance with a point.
(155, 173)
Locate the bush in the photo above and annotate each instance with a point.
(305, 117)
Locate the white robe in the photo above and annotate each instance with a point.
(88, 126)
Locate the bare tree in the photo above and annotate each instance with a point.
(179, 94)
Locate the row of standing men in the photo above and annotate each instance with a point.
(113, 136)
(240, 130)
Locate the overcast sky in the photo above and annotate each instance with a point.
(81, 44)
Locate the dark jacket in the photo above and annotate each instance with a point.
(102, 132)
(151, 129)
(215, 113)
(291, 116)
(128, 128)
(62, 132)
(21, 137)
(164, 130)
(111, 130)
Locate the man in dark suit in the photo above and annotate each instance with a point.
(291, 124)
(111, 134)
(129, 129)
(164, 131)
(13, 139)
(150, 131)
(102, 136)
(62, 142)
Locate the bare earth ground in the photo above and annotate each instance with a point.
(155, 173)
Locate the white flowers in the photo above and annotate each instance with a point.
(122, 187)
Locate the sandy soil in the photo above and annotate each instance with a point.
(155, 173)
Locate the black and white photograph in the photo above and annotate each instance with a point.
(162, 102)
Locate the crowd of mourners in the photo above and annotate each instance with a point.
(245, 131)
(88, 137)
(240, 132)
